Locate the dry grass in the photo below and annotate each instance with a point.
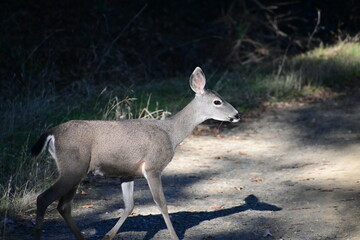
(126, 108)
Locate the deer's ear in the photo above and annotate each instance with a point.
(197, 81)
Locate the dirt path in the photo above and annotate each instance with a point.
(293, 173)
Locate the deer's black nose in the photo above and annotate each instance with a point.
(235, 118)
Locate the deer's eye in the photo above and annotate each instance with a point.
(217, 102)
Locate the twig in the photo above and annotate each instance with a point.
(315, 29)
(262, 6)
(107, 51)
(274, 26)
(39, 45)
(282, 62)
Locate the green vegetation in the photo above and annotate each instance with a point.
(312, 74)
(332, 68)
(335, 67)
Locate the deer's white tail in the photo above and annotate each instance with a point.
(44, 141)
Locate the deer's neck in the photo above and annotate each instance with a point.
(183, 123)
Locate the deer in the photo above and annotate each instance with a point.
(127, 149)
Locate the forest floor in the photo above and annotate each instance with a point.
(292, 172)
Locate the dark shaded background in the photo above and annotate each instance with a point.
(51, 44)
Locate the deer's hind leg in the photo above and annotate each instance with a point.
(64, 208)
(63, 189)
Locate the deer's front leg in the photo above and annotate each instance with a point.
(154, 181)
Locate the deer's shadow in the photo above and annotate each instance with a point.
(182, 220)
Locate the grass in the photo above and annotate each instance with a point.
(336, 66)
(313, 74)
(330, 68)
